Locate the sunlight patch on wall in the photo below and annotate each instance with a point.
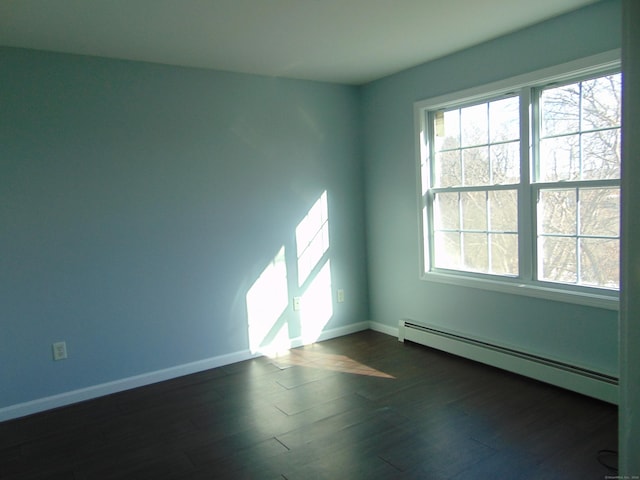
(316, 306)
(277, 341)
(270, 326)
(267, 300)
(312, 238)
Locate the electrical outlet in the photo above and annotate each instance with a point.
(340, 295)
(59, 350)
(296, 303)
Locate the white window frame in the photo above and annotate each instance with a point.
(525, 284)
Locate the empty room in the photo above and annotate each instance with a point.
(295, 239)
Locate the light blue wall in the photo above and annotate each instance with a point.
(139, 203)
(586, 336)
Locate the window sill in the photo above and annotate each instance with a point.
(597, 300)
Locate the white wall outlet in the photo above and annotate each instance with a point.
(340, 295)
(296, 303)
(59, 350)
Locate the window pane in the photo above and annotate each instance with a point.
(600, 211)
(503, 211)
(475, 252)
(601, 102)
(447, 130)
(505, 163)
(447, 247)
(504, 253)
(599, 262)
(476, 166)
(475, 128)
(557, 259)
(560, 110)
(560, 159)
(446, 211)
(557, 212)
(504, 120)
(601, 154)
(474, 210)
(448, 169)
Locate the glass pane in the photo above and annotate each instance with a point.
(600, 211)
(446, 211)
(504, 253)
(476, 166)
(447, 248)
(447, 130)
(474, 210)
(505, 163)
(475, 127)
(448, 169)
(504, 119)
(600, 262)
(560, 110)
(557, 259)
(601, 154)
(560, 159)
(503, 211)
(601, 101)
(557, 212)
(475, 250)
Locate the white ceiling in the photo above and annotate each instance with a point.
(344, 41)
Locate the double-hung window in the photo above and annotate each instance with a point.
(520, 184)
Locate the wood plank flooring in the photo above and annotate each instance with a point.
(362, 406)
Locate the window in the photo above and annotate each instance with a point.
(520, 184)
(578, 174)
(477, 168)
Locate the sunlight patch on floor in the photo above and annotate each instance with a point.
(326, 361)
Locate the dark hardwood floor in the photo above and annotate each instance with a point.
(362, 406)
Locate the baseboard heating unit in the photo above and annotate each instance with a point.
(581, 380)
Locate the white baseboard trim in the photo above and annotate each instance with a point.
(95, 391)
(102, 389)
(382, 328)
(333, 333)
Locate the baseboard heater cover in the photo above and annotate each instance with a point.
(587, 382)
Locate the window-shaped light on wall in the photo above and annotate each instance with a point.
(316, 307)
(314, 270)
(267, 300)
(312, 238)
